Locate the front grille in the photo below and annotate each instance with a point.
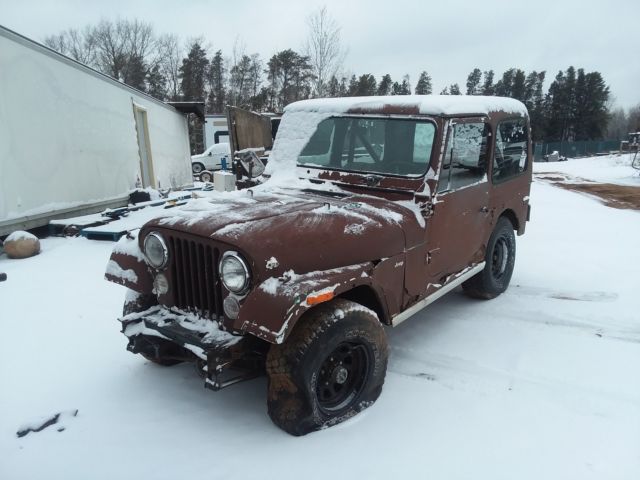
(194, 273)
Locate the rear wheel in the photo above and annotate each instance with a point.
(331, 367)
(206, 176)
(500, 259)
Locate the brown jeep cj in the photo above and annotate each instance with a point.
(370, 209)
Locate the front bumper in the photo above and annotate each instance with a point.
(221, 358)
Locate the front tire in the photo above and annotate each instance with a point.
(331, 367)
(500, 259)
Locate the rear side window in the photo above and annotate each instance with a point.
(510, 157)
(465, 162)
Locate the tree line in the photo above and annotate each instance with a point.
(574, 107)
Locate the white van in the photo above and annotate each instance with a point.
(211, 158)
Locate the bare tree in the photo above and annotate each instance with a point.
(170, 53)
(124, 49)
(238, 64)
(324, 48)
(77, 44)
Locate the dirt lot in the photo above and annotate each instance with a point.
(616, 196)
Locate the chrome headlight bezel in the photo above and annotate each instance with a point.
(233, 256)
(165, 251)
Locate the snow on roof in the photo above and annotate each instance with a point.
(425, 104)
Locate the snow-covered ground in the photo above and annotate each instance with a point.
(607, 169)
(541, 382)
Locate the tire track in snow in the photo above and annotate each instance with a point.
(457, 373)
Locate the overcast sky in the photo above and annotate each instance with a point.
(446, 38)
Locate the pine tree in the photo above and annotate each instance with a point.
(135, 73)
(290, 76)
(596, 98)
(352, 89)
(534, 101)
(518, 87)
(406, 85)
(344, 87)
(575, 107)
(156, 83)
(423, 87)
(454, 89)
(487, 85)
(554, 108)
(333, 87)
(385, 85)
(504, 86)
(192, 82)
(193, 73)
(403, 88)
(216, 79)
(366, 85)
(473, 82)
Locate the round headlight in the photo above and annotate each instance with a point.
(156, 250)
(234, 272)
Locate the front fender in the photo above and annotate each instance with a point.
(127, 265)
(271, 310)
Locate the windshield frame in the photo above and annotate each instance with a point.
(416, 118)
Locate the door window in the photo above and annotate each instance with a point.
(511, 150)
(465, 161)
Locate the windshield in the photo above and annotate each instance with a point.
(371, 145)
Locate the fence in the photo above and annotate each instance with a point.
(583, 148)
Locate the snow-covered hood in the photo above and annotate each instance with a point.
(301, 230)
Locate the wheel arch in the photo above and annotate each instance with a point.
(512, 217)
(367, 296)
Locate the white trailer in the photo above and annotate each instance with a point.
(216, 130)
(73, 140)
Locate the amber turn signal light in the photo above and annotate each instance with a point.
(319, 298)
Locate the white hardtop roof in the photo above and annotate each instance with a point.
(425, 104)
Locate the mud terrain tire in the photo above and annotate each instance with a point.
(500, 259)
(331, 367)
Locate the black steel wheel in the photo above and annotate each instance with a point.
(331, 367)
(500, 259)
(342, 376)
